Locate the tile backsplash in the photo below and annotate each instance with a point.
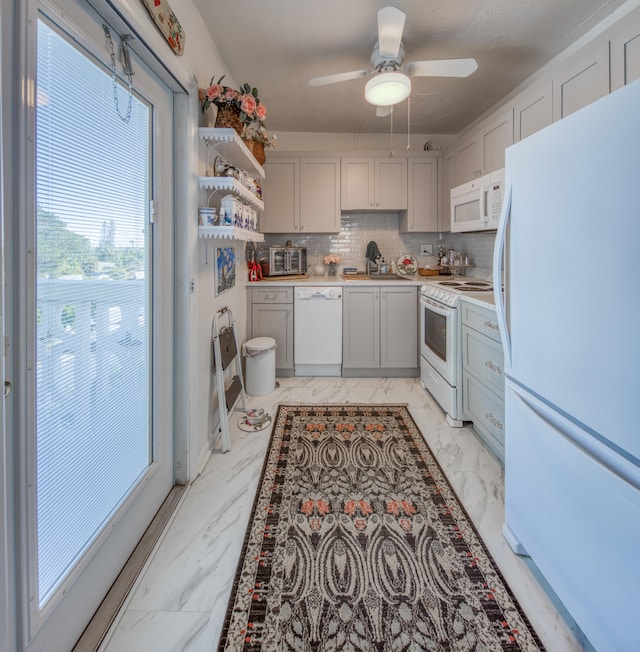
(358, 229)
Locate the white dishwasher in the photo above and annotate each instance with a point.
(317, 331)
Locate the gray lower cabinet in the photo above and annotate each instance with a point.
(483, 375)
(380, 331)
(270, 314)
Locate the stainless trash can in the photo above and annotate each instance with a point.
(260, 353)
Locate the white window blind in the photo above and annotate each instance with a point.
(93, 380)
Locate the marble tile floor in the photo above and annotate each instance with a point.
(179, 601)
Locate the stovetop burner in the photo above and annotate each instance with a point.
(449, 291)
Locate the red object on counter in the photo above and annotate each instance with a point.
(255, 271)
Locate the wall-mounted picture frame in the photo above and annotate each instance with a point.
(225, 269)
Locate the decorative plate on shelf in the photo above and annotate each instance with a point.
(407, 264)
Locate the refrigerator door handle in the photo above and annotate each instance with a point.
(599, 452)
(498, 259)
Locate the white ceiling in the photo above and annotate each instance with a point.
(278, 45)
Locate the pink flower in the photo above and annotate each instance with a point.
(230, 94)
(214, 92)
(261, 112)
(248, 104)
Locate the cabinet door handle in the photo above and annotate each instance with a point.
(495, 368)
(492, 325)
(497, 423)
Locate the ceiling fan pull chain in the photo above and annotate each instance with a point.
(409, 123)
(391, 136)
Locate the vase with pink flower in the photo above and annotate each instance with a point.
(332, 261)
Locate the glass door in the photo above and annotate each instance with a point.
(98, 426)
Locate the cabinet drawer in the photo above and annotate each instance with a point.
(483, 320)
(272, 295)
(486, 410)
(484, 358)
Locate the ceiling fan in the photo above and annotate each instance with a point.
(391, 82)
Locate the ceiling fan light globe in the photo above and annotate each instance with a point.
(387, 89)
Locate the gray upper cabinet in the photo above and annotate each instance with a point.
(496, 135)
(302, 195)
(468, 158)
(422, 212)
(532, 111)
(448, 181)
(581, 80)
(482, 151)
(281, 202)
(320, 195)
(373, 183)
(625, 56)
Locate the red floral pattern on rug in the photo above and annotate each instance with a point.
(358, 542)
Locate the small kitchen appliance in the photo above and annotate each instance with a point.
(282, 261)
(475, 205)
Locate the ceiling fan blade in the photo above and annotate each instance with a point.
(390, 26)
(384, 111)
(442, 68)
(339, 77)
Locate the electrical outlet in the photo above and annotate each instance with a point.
(426, 250)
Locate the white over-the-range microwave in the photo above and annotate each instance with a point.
(476, 205)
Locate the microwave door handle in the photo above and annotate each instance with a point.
(484, 204)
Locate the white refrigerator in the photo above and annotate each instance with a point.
(568, 245)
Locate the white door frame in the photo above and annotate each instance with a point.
(152, 48)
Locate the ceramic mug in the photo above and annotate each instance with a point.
(207, 216)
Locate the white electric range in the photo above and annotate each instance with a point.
(440, 345)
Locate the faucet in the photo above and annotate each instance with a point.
(375, 268)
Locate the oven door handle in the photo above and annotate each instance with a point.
(443, 311)
(498, 259)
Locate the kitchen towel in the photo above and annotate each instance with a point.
(373, 252)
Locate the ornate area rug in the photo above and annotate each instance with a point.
(358, 542)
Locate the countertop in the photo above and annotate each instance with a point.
(340, 280)
(483, 299)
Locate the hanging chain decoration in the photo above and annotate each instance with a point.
(127, 69)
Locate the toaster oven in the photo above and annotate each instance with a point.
(282, 261)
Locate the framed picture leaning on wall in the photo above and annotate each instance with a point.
(225, 269)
